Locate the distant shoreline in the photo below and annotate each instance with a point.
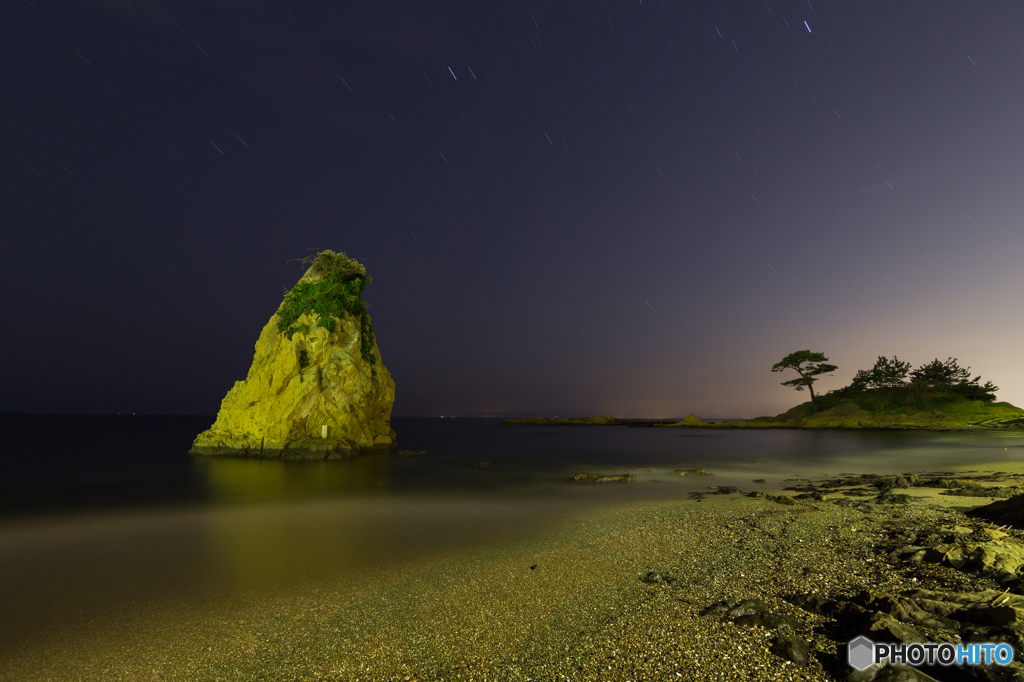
(1004, 417)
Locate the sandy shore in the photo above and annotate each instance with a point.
(616, 594)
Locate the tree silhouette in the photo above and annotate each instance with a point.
(808, 365)
(949, 374)
(938, 373)
(885, 374)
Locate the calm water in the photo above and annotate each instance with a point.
(109, 527)
(66, 463)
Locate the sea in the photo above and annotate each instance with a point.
(107, 524)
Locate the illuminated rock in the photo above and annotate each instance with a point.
(317, 388)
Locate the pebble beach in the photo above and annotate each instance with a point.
(620, 594)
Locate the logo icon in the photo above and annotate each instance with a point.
(860, 652)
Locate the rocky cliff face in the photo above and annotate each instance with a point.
(317, 388)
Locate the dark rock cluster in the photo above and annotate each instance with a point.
(1009, 512)
(985, 552)
(754, 612)
(918, 616)
(981, 564)
(958, 485)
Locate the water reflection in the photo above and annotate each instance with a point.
(273, 541)
(233, 479)
(521, 461)
(258, 546)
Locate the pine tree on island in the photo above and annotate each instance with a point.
(808, 365)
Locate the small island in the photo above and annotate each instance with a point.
(939, 395)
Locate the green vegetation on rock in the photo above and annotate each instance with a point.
(334, 291)
(691, 420)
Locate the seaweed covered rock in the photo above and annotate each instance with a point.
(697, 471)
(317, 388)
(598, 478)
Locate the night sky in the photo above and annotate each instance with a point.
(632, 208)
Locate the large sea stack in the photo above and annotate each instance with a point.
(317, 388)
